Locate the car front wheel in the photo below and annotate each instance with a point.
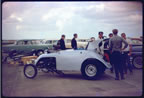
(137, 62)
(91, 70)
(30, 71)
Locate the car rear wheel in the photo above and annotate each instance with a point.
(91, 70)
(137, 62)
(30, 71)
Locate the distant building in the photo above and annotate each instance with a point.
(6, 42)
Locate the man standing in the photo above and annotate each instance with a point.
(115, 45)
(61, 43)
(125, 58)
(100, 41)
(107, 51)
(74, 42)
(92, 39)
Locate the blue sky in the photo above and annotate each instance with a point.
(49, 20)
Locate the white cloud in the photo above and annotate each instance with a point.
(99, 7)
(68, 17)
(49, 15)
(18, 27)
(136, 17)
(60, 25)
(19, 19)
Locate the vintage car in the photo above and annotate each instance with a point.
(88, 61)
(26, 47)
(136, 52)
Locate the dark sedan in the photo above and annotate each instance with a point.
(136, 52)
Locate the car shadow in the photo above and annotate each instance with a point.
(73, 76)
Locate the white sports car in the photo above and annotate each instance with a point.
(89, 61)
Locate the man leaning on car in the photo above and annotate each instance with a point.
(74, 42)
(61, 43)
(115, 45)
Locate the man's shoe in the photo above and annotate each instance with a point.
(122, 78)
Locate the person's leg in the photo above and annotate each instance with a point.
(111, 69)
(123, 63)
(128, 64)
(120, 66)
(116, 72)
(115, 59)
(111, 62)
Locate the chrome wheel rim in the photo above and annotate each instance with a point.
(91, 70)
(30, 71)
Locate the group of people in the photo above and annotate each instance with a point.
(116, 47)
(61, 42)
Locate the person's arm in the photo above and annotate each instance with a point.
(64, 45)
(72, 43)
(110, 45)
(126, 44)
(100, 44)
(61, 44)
(75, 44)
(106, 44)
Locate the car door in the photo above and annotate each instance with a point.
(70, 60)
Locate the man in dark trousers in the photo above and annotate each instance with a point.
(74, 42)
(61, 43)
(115, 45)
(125, 57)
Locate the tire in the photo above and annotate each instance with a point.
(39, 52)
(137, 62)
(34, 69)
(91, 70)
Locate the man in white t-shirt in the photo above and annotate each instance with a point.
(125, 57)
